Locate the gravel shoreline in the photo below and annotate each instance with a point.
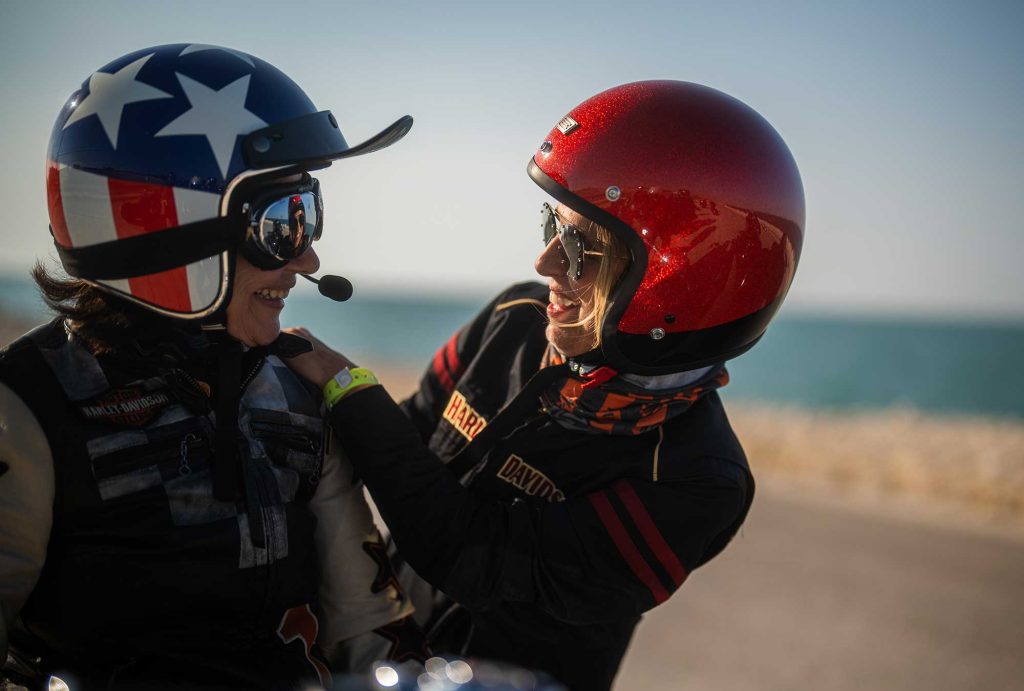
(957, 464)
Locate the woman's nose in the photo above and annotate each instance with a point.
(306, 263)
(551, 261)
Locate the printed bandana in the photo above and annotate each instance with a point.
(617, 406)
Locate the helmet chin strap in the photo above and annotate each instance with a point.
(591, 367)
(585, 362)
(235, 368)
(595, 377)
(226, 397)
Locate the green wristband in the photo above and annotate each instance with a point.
(342, 384)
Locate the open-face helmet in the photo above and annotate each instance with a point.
(157, 173)
(708, 199)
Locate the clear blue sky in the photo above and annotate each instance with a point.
(907, 121)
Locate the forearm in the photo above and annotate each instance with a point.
(572, 559)
(435, 521)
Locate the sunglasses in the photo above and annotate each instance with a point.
(571, 239)
(283, 223)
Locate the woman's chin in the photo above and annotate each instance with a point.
(569, 341)
(256, 335)
(267, 334)
(266, 340)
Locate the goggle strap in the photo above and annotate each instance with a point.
(151, 253)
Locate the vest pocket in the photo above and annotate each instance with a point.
(128, 462)
(291, 440)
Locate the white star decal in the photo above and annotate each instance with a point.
(220, 116)
(110, 93)
(196, 47)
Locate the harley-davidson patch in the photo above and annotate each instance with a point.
(130, 406)
(462, 416)
(520, 474)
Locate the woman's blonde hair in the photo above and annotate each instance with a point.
(614, 260)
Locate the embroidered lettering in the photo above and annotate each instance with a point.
(126, 406)
(462, 417)
(453, 406)
(509, 467)
(521, 475)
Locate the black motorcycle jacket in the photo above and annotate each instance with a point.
(556, 539)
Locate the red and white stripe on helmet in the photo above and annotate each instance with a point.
(87, 209)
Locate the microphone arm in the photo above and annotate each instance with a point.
(336, 288)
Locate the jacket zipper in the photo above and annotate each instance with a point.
(287, 434)
(252, 374)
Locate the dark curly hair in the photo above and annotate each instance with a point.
(102, 320)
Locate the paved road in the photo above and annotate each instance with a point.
(829, 597)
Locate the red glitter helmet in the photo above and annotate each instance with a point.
(708, 199)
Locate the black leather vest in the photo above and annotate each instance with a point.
(147, 574)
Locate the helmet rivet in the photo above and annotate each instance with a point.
(670, 318)
(261, 145)
(657, 334)
(613, 193)
(545, 148)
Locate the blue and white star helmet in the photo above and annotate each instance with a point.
(147, 160)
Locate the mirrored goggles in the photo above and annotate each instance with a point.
(569, 236)
(283, 224)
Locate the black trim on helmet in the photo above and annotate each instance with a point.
(693, 348)
(624, 291)
(639, 353)
(151, 253)
(313, 137)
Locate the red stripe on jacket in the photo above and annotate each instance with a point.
(626, 548)
(650, 531)
(446, 363)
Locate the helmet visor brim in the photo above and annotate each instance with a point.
(312, 138)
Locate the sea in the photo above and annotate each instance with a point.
(822, 362)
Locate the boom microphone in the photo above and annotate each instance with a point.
(337, 288)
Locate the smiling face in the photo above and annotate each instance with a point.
(574, 305)
(257, 297)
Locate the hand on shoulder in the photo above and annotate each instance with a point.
(318, 365)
